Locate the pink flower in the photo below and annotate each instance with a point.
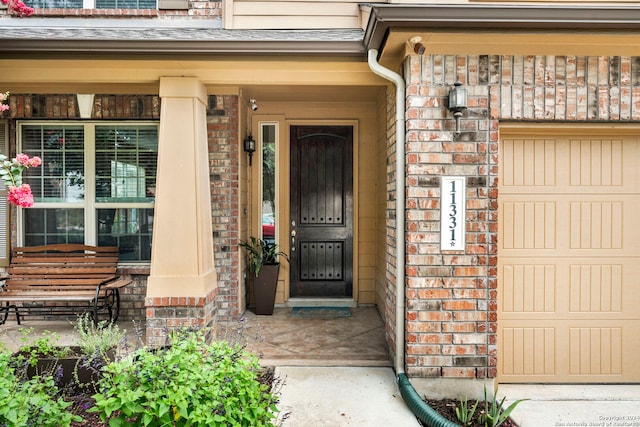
(3, 97)
(23, 159)
(18, 7)
(20, 196)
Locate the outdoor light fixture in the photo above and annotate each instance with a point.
(457, 102)
(417, 46)
(249, 146)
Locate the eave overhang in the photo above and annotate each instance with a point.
(540, 29)
(34, 37)
(157, 41)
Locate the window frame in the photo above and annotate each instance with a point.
(261, 136)
(89, 203)
(91, 4)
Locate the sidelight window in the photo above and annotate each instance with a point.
(268, 137)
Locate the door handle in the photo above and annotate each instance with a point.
(293, 236)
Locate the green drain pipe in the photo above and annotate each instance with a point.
(419, 407)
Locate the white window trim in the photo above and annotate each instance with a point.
(278, 212)
(89, 204)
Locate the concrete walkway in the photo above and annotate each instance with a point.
(577, 405)
(336, 396)
(350, 396)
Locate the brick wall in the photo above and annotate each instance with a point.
(133, 295)
(222, 130)
(388, 300)
(167, 314)
(64, 106)
(451, 296)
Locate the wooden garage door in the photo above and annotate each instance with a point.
(569, 257)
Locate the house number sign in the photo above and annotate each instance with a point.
(452, 213)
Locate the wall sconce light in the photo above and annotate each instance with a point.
(249, 146)
(457, 102)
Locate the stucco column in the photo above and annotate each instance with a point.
(182, 262)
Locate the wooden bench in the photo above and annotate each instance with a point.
(62, 279)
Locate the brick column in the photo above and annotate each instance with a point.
(182, 287)
(447, 291)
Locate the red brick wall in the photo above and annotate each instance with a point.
(64, 106)
(390, 266)
(222, 130)
(167, 314)
(451, 296)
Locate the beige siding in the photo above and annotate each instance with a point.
(247, 14)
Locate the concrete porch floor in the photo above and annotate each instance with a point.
(278, 340)
(281, 340)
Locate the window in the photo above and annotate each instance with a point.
(268, 134)
(96, 185)
(125, 4)
(92, 4)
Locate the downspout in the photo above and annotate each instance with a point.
(400, 203)
(411, 397)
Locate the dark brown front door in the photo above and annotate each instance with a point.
(321, 225)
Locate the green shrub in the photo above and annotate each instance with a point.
(190, 383)
(32, 402)
(46, 345)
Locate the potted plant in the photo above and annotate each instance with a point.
(263, 263)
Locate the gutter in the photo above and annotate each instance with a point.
(420, 409)
(425, 17)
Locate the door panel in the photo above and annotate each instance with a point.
(568, 259)
(321, 211)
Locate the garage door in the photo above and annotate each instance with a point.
(569, 256)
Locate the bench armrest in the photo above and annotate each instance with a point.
(118, 283)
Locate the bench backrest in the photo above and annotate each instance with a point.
(68, 266)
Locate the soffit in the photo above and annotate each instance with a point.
(503, 29)
(226, 74)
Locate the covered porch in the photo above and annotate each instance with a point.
(278, 340)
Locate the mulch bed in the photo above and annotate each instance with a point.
(81, 403)
(447, 408)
